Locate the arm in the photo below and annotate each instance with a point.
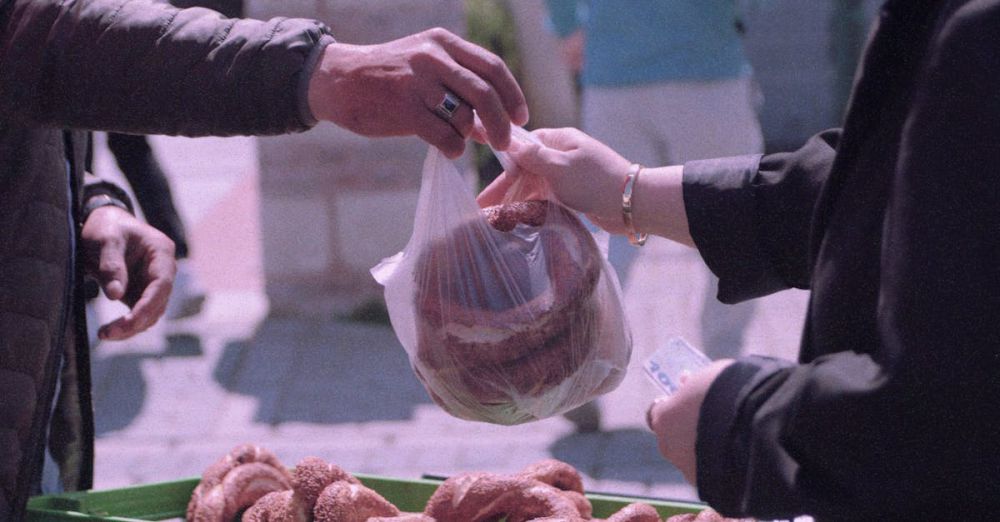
(143, 67)
(750, 216)
(869, 436)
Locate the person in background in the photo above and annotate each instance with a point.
(663, 82)
(142, 67)
(891, 411)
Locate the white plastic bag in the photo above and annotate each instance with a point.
(504, 326)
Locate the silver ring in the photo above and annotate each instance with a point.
(448, 106)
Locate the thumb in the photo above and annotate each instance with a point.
(112, 273)
(494, 193)
(656, 411)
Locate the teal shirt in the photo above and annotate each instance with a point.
(632, 42)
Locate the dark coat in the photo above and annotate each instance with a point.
(119, 65)
(894, 225)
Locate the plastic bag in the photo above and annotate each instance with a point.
(504, 326)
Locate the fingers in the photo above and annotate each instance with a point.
(112, 272)
(533, 156)
(658, 419)
(146, 312)
(125, 327)
(483, 80)
(462, 119)
(480, 95)
(510, 188)
(479, 132)
(134, 263)
(675, 423)
(439, 133)
(494, 193)
(653, 412)
(392, 89)
(152, 298)
(491, 68)
(564, 139)
(527, 155)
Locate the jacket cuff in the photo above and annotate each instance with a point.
(305, 113)
(102, 187)
(720, 207)
(722, 449)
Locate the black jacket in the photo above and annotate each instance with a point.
(894, 225)
(118, 65)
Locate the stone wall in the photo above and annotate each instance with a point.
(334, 203)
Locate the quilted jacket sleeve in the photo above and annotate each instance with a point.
(144, 67)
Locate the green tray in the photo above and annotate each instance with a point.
(168, 500)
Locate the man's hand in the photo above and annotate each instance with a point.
(392, 89)
(134, 263)
(674, 419)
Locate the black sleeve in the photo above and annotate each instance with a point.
(750, 216)
(915, 425)
(144, 67)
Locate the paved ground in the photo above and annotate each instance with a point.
(176, 398)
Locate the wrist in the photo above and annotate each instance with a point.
(635, 237)
(329, 76)
(658, 204)
(103, 193)
(305, 88)
(100, 201)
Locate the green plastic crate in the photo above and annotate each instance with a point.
(168, 500)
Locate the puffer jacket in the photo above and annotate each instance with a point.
(117, 65)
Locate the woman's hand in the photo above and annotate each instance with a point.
(674, 419)
(583, 173)
(588, 176)
(134, 263)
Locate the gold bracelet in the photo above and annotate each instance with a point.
(636, 238)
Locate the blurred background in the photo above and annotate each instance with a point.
(291, 346)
